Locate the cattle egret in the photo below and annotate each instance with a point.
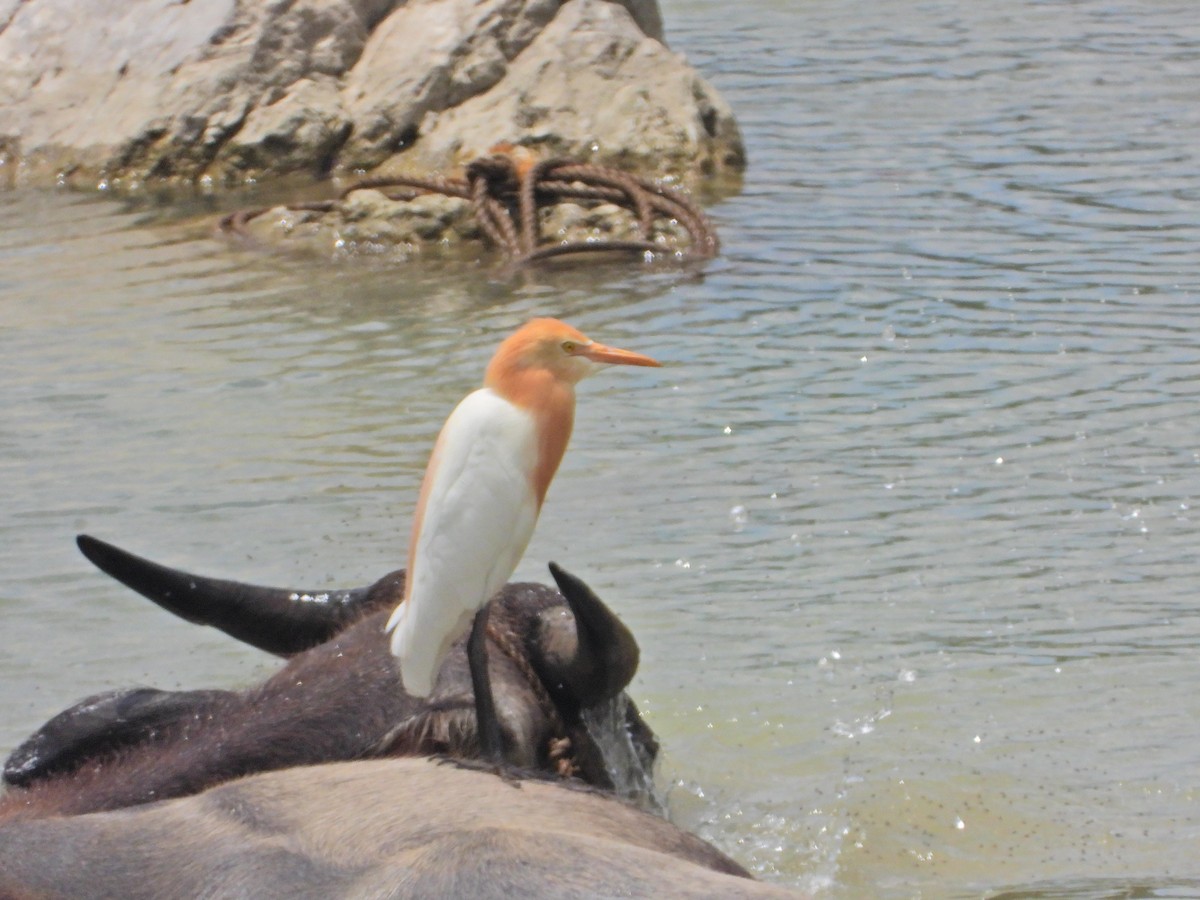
(483, 489)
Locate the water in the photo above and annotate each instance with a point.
(627, 760)
(906, 527)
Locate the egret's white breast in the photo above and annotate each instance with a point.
(479, 513)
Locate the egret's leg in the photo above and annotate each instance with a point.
(490, 747)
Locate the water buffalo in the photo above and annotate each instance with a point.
(266, 793)
(387, 828)
(339, 696)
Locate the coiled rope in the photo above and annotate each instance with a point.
(507, 191)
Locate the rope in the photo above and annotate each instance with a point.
(506, 193)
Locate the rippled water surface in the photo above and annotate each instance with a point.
(905, 527)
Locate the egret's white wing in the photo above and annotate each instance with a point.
(479, 513)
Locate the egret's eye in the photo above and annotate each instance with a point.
(568, 346)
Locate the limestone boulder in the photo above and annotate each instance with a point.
(126, 92)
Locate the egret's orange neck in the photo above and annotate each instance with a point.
(547, 397)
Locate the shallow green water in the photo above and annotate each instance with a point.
(905, 526)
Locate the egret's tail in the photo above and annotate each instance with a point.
(418, 660)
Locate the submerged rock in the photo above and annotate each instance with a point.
(526, 210)
(227, 91)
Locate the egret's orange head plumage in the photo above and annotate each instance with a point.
(536, 368)
(544, 348)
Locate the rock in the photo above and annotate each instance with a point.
(368, 223)
(591, 86)
(226, 91)
(510, 205)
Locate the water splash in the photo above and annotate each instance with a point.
(629, 766)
